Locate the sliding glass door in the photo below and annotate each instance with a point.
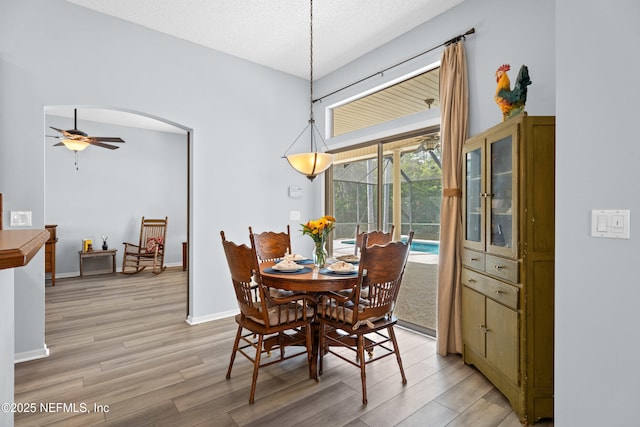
(355, 189)
(394, 183)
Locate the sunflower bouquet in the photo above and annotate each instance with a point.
(318, 230)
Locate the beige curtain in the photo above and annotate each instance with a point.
(454, 118)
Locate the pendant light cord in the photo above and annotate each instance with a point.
(312, 125)
(311, 120)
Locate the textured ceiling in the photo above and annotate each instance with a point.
(275, 33)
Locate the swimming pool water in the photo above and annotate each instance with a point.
(416, 245)
(427, 247)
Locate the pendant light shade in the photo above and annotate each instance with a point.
(310, 164)
(313, 163)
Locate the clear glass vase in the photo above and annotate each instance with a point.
(319, 253)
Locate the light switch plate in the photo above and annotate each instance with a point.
(20, 219)
(294, 215)
(611, 223)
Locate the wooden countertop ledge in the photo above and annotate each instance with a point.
(17, 247)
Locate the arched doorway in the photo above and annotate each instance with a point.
(108, 191)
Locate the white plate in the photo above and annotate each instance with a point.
(342, 271)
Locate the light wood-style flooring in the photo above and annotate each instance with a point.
(123, 355)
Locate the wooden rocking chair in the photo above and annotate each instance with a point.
(150, 249)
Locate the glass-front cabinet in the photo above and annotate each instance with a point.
(508, 260)
(490, 202)
(474, 200)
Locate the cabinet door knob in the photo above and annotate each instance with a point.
(474, 259)
(498, 267)
(499, 292)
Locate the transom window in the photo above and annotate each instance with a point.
(410, 96)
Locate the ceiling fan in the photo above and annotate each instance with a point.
(77, 140)
(430, 144)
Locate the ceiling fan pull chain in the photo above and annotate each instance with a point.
(76, 162)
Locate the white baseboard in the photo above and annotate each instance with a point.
(210, 317)
(64, 275)
(25, 356)
(118, 270)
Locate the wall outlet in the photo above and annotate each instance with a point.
(20, 219)
(614, 224)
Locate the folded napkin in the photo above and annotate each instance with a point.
(342, 266)
(287, 264)
(354, 259)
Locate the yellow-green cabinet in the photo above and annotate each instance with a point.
(508, 264)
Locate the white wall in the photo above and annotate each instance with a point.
(235, 143)
(113, 189)
(244, 117)
(506, 32)
(597, 290)
(7, 346)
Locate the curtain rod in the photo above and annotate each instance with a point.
(447, 43)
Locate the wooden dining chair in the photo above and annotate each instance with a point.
(366, 324)
(270, 323)
(149, 252)
(271, 245)
(374, 237)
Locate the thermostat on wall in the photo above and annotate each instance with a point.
(295, 192)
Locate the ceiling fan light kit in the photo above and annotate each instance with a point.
(77, 140)
(75, 145)
(77, 135)
(313, 163)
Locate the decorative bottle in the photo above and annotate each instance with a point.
(498, 239)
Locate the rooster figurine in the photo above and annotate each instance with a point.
(511, 102)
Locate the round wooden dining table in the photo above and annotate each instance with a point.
(311, 280)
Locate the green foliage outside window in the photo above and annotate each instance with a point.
(355, 195)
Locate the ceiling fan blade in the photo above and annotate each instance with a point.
(100, 144)
(64, 132)
(78, 135)
(107, 138)
(70, 133)
(58, 144)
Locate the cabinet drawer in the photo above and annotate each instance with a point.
(501, 267)
(473, 259)
(496, 290)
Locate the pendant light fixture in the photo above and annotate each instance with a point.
(313, 163)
